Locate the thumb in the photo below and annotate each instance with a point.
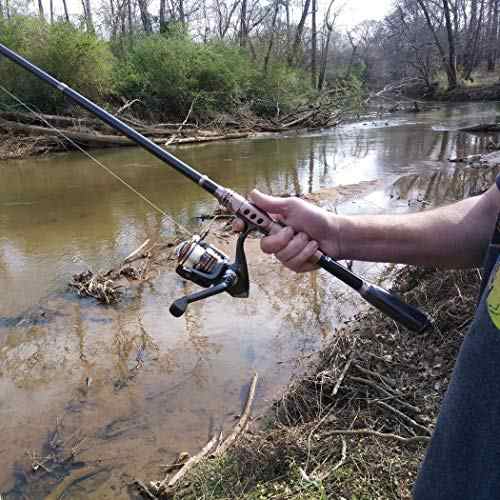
(271, 204)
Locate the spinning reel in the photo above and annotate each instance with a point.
(205, 265)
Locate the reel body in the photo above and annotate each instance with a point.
(208, 267)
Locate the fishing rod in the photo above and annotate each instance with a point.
(205, 265)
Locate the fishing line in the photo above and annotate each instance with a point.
(97, 162)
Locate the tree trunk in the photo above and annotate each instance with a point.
(145, 18)
(163, 17)
(243, 24)
(66, 15)
(1, 9)
(442, 53)
(353, 55)
(324, 56)
(271, 36)
(452, 58)
(288, 26)
(493, 37)
(87, 12)
(51, 8)
(324, 59)
(328, 26)
(298, 34)
(182, 13)
(314, 46)
(130, 23)
(472, 39)
(41, 14)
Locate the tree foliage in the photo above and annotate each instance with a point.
(73, 56)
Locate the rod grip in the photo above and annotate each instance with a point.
(395, 308)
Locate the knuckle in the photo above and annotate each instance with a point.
(266, 246)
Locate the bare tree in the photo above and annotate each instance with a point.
(87, 12)
(292, 55)
(243, 24)
(145, 17)
(66, 15)
(449, 61)
(314, 45)
(41, 14)
(327, 34)
(493, 35)
(224, 13)
(473, 32)
(163, 16)
(130, 20)
(271, 35)
(452, 58)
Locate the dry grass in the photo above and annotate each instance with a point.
(356, 426)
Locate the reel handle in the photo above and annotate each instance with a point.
(179, 307)
(389, 304)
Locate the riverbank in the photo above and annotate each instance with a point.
(24, 134)
(483, 87)
(356, 425)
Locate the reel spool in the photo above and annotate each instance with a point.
(198, 254)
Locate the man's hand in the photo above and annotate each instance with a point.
(308, 228)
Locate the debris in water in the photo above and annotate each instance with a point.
(101, 287)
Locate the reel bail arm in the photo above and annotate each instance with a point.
(205, 265)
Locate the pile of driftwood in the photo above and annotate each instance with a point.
(106, 287)
(63, 132)
(324, 112)
(56, 133)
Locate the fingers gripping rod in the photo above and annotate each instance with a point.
(386, 302)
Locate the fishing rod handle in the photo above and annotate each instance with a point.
(388, 303)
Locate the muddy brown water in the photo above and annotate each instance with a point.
(67, 371)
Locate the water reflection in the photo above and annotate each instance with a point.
(444, 186)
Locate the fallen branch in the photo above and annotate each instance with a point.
(242, 422)
(126, 106)
(386, 393)
(135, 252)
(174, 137)
(382, 435)
(321, 476)
(161, 487)
(202, 138)
(404, 417)
(344, 372)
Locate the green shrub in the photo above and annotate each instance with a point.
(282, 88)
(168, 73)
(78, 59)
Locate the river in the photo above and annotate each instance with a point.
(67, 365)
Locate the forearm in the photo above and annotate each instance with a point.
(454, 236)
